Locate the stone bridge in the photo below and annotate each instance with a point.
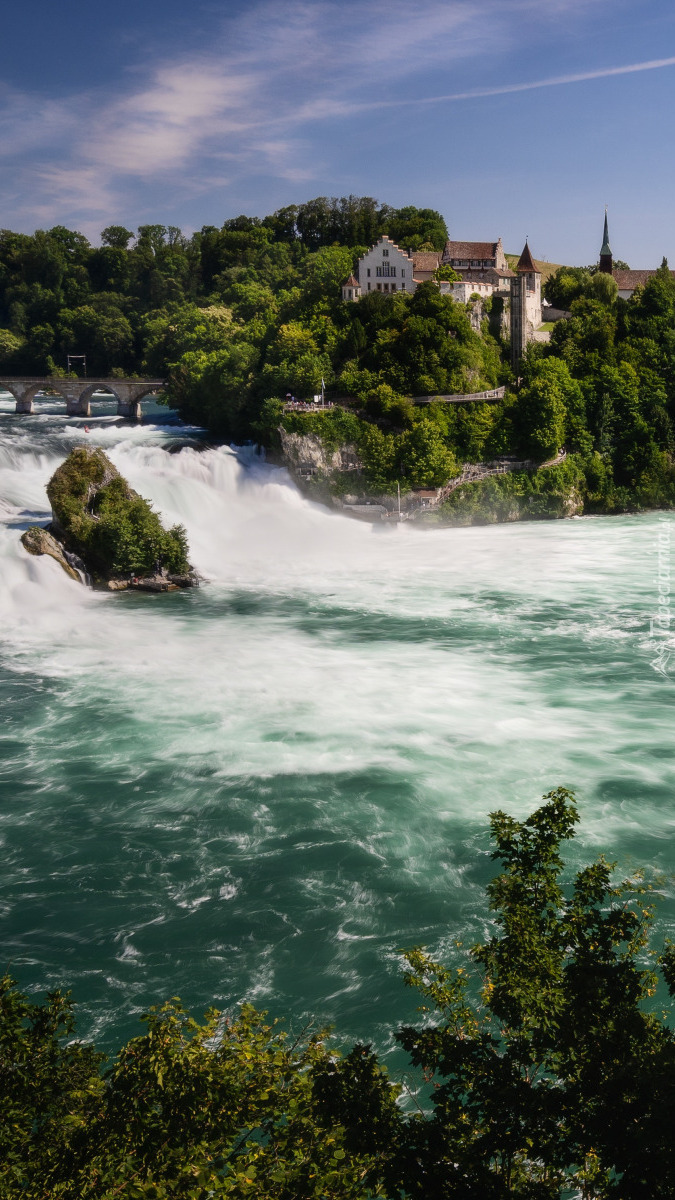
(77, 393)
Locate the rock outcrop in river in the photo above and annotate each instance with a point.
(101, 527)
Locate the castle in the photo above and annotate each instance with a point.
(482, 269)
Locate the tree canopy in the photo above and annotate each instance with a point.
(238, 317)
(549, 1070)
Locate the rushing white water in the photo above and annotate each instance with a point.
(267, 786)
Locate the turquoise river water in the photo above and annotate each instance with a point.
(266, 787)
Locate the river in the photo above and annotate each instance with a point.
(264, 788)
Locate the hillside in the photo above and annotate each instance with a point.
(546, 268)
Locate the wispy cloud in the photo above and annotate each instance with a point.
(323, 111)
(251, 103)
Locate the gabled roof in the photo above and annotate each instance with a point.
(384, 237)
(470, 250)
(527, 263)
(426, 260)
(351, 282)
(629, 280)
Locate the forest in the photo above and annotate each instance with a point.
(542, 1067)
(238, 317)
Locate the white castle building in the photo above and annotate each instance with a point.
(482, 269)
(385, 268)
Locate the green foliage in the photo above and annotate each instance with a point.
(10, 345)
(230, 1107)
(237, 317)
(542, 409)
(111, 527)
(413, 228)
(548, 1072)
(558, 491)
(555, 1080)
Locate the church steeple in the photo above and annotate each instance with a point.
(606, 252)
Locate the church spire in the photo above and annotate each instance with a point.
(606, 252)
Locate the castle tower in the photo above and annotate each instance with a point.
(525, 304)
(518, 320)
(351, 289)
(606, 264)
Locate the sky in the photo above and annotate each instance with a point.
(513, 118)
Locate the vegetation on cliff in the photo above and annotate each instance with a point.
(238, 317)
(113, 529)
(544, 1070)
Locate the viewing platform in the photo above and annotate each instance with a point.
(489, 397)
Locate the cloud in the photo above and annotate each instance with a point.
(323, 111)
(250, 105)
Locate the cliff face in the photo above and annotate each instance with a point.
(306, 455)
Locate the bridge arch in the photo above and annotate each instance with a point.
(78, 393)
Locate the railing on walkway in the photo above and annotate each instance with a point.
(473, 472)
(463, 397)
(348, 402)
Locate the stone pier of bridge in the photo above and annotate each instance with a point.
(77, 393)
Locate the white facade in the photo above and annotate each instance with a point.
(462, 290)
(386, 268)
(533, 300)
(351, 289)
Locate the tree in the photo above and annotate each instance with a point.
(230, 1107)
(10, 345)
(548, 1073)
(425, 461)
(541, 413)
(116, 236)
(412, 227)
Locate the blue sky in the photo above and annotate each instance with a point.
(512, 117)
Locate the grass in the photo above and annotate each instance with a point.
(546, 268)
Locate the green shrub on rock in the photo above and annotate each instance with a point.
(113, 529)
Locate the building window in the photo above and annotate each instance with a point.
(369, 284)
(402, 287)
(385, 253)
(393, 287)
(402, 272)
(368, 269)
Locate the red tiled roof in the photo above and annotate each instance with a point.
(628, 280)
(470, 250)
(426, 260)
(351, 282)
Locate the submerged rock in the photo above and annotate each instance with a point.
(104, 529)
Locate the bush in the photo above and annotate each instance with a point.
(113, 529)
